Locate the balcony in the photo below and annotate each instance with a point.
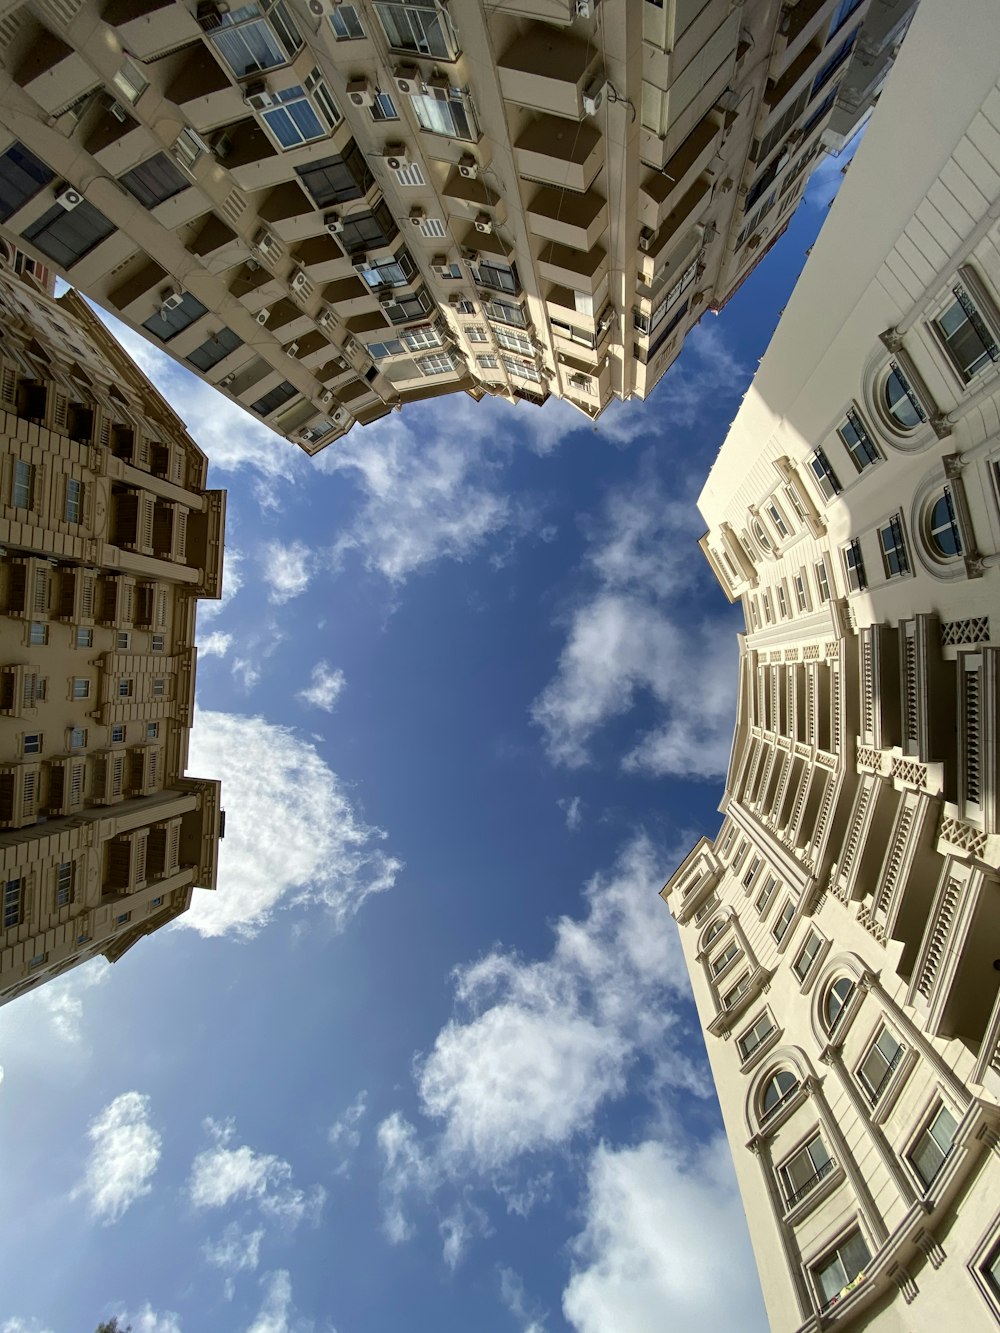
(556, 152)
(573, 220)
(579, 270)
(151, 28)
(661, 192)
(199, 86)
(547, 70)
(685, 212)
(49, 70)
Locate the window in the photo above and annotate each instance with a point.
(720, 963)
(152, 731)
(125, 689)
(854, 566)
(844, 11)
(777, 518)
(158, 643)
(270, 402)
(214, 349)
(248, 41)
(991, 1272)
(166, 324)
(129, 81)
(878, 1065)
(513, 342)
(836, 1001)
(345, 24)
(765, 895)
(84, 639)
(733, 996)
(522, 369)
(943, 530)
(295, 119)
(154, 180)
(32, 743)
(476, 333)
(755, 1036)
(422, 30)
(932, 1147)
(438, 363)
(801, 595)
(825, 476)
(123, 640)
(81, 687)
(837, 1270)
(766, 604)
(506, 312)
(156, 902)
(758, 531)
(73, 511)
(23, 493)
(902, 403)
(751, 871)
(378, 351)
(969, 340)
(804, 1170)
(454, 118)
(123, 918)
(66, 235)
(860, 445)
(714, 930)
(65, 876)
(780, 928)
(13, 903)
(38, 634)
(338, 179)
(894, 556)
(834, 63)
(822, 581)
(782, 601)
(383, 107)
(369, 231)
(406, 307)
(159, 687)
(118, 734)
(78, 738)
(807, 955)
(488, 362)
(777, 1090)
(22, 175)
(395, 272)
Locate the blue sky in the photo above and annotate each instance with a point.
(427, 1060)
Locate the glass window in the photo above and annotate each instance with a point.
(39, 633)
(125, 688)
(801, 596)
(64, 884)
(85, 638)
(214, 349)
(944, 533)
(807, 956)
(496, 275)
(754, 1035)
(488, 362)
(782, 601)
(454, 118)
(894, 555)
(23, 492)
(369, 231)
(777, 518)
(836, 1001)
(715, 929)
(506, 312)
(784, 919)
(969, 340)
(720, 963)
(876, 1068)
(338, 179)
(270, 402)
(345, 24)
(838, 1269)
(123, 918)
(860, 445)
(513, 342)
(378, 351)
(159, 686)
(903, 404)
(751, 871)
(417, 339)
(733, 996)
(437, 363)
(295, 120)
(248, 41)
(129, 81)
(32, 743)
(778, 1088)
(396, 272)
(932, 1147)
(22, 175)
(81, 687)
(118, 734)
(158, 643)
(383, 107)
(765, 895)
(13, 903)
(854, 566)
(418, 29)
(843, 12)
(405, 307)
(66, 235)
(166, 324)
(757, 528)
(73, 512)
(822, 581)
(834, 63)
(825, 476)
(78, 738)
(804, 1170)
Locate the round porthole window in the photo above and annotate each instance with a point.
(943, 533)
(899, 401)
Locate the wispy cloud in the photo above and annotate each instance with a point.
(18, 1325)
(227, 1173)
(232, 582)
(147, 1320)
(292, 832)
(216, 644)
(708, 371)
(124, 1157)
(345, 1133)
(287, 569)
(237, 1250)
(325, 687)
(276, 1314)
(572, 808)
(515, 1298)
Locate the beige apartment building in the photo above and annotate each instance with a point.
(842, 929)
(107, 539)
(328, 210)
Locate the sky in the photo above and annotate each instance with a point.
(427, 1059)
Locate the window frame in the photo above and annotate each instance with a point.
(761, 1039)
(827, 481)
(154, 181)
(811, 955)
(874, 1090)
(792, 1194)
(862, 449)
(892, 544)
(823, 1261)
(977, 321)
(925, 1132)
(65, 236)
(783, 922)
(854, 565)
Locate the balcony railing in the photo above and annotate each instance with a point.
(875, 1093)
(809, 1185)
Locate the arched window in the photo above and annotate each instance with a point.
(836, 999)
(901, 401)
(762, 537)
(715, 929)
(942, 527)
(778, 1088)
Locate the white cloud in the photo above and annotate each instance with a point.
(539, 1047)
(463, 1224)
(236, 1250)
(325, 687)
(637, 636)
(222, 1175)
(124, 1157)
(232, 582)
(18, 1325)
(146, 1320)
(216, 644)
(287, 569)
(572, 808)
(707, 376)
(664, 1245)
(292, 834)
(276, 1314)
(344, 1134)
(515, 1298)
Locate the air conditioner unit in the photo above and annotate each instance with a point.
(267, 244)
(360, 93)
(584, 9)
(222, 146)
(417, 216)
(170, 298)
(117, 110)
(361, 265)
(438, 87)
(326, 397)
(292, 349)
(299, 280)
(468, 166)
(407, 80)
(387, 298)
(327, 318)
(646, 238)
(341, 417)
(68, 198)
(458, 298)
(470, 256)
(209, 15)
(262, 316)
(605, 323)
(483, 222)
(353, 346)
(726, 185)
(754, 241)
(334, 223)
(396, 156)
(593, 97)
(256, 96)
(441, 265)
(226, 380)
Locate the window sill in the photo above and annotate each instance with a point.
(824, 1188)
